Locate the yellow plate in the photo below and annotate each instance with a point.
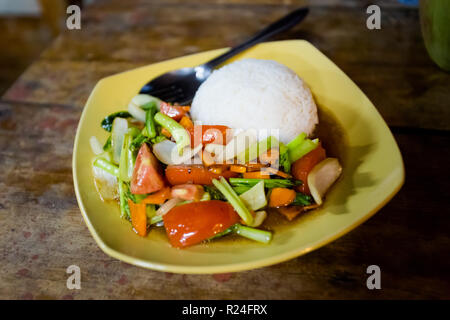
(373, 170)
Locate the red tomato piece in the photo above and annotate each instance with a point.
(147, 173)
(301, 168)
(209, 134)
(194, 222)
(174, 112)
(188, 192)
(196, 174)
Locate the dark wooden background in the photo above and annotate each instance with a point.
(42, 231)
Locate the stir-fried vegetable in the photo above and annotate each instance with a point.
(302, 167)
(198, 221)
(147, 174)
(158, 197)
(138, 217)
(256, 149)
(206, 134)
(281, 197)
(255, 198)
(126, 162)
(197, 174)
(302, 199)
(234, 199)
(135, 105)
(300, 146)
(177, 131)
(107, 166)
(188, 192)
(253, 234)
(107, 122)
(322, 176)
(174, 112)
(268, 183)
(119, 129)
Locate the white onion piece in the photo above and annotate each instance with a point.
(167, 206)
(322, 176)
(217, 150)
(105, 183)
(95, 146)
(259, 218)
(166, 151)
(119, 128)
(134, 107)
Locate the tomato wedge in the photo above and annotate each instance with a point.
(147, 173)
(194, 222)
(301, 168)
(196, 174)
(209, 134)
(175, 112)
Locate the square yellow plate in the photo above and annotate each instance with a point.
(373, 170)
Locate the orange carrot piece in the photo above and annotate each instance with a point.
(239, 169)
(277, 172)
(256, 175)
(186, 122)
(166, 133)
(186, 108)
(281, 197)
(158, 197)
(138, 217)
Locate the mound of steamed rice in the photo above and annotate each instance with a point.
(256, 94)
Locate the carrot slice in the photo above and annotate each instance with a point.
(186, 122)
(158, 197)
(165, 132)
(181, 174)
(138, 217)
(237, 168)
(256, 175)
(278, 173)
(281, 197)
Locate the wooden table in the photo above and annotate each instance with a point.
(41, 226)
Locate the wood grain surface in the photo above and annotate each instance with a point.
(43, 231)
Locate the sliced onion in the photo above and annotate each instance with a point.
(95, 146)
(322, 176)
(105, 183)
(259, 218)
(119, 128)
(167, 206)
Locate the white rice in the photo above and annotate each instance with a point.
(256, 94)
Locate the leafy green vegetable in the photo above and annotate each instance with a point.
(107, 166)
(233, 199)
(124, 208)
(241, 189)
(178, 132)
(223, 233)
(300, 146)
(158, 139)
(107, 122)
(302, 199)
(285, 163)
(150, 110)
(268, 183)
(107, 145)
(214, 193)
(253, 233)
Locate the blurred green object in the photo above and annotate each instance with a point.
(435, 22)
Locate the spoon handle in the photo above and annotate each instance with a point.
(280, 25)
